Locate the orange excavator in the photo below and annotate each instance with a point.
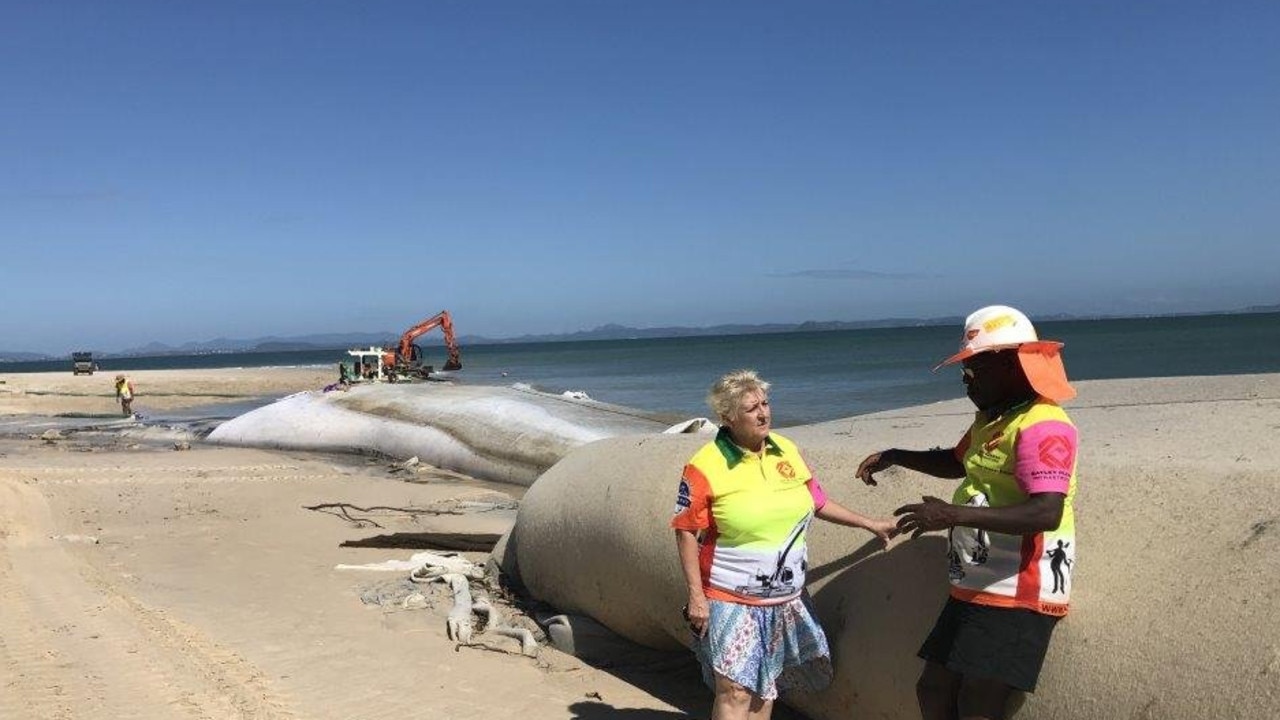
(405, 358)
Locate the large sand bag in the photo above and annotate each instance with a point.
(496, 433)
(1176, 593)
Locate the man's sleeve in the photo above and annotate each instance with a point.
(693, 501)
(1046, 457)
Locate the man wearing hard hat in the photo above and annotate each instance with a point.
(1012, 529)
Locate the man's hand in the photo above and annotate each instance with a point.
(873, 463)
(922, 517)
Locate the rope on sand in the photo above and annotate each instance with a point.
(459, 573)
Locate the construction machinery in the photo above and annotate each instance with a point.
(405, 359)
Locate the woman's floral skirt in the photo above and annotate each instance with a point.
(765, 648)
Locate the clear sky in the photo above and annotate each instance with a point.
(178, 171)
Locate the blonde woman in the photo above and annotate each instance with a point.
(744, 504)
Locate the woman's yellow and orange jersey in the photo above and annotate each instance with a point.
(752, 511)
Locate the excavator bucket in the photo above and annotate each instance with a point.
(452, 364)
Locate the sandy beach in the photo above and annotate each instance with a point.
(147, 579)
(54, 393)
(140, 581)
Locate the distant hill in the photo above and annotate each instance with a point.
(612, 331)
(6, 356)
(270, 343)
(623, 332)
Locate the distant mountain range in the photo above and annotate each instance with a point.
(270, 343)
(614, 331)
(330, 341)
(604, 332)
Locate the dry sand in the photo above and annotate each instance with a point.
(59, 393)
(211, 592)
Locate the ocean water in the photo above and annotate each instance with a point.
(816, 376)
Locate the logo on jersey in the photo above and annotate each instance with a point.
(786, 471)
(683, 500)
(1055, 451)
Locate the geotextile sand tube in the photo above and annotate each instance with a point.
(502, 434)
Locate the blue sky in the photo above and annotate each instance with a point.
(177, 171)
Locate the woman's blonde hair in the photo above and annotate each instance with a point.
(727, 393)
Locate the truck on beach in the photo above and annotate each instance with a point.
(82, 363)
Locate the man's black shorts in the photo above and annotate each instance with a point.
(1004, 644)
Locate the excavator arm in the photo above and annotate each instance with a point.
(404, 353)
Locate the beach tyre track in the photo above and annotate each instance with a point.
(74, 646)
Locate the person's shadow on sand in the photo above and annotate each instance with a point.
(592, 710)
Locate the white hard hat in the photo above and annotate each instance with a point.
(1000, 327)
(996, 327)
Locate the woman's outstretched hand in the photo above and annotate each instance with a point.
(886, 529)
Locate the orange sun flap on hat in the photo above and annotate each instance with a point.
(1042, 364)
(1000, 327)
